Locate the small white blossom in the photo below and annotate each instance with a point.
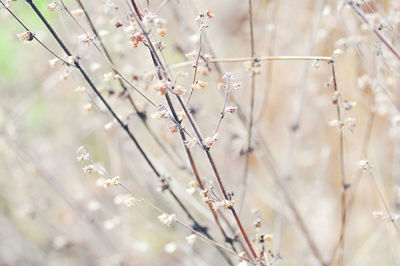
(338, 52)
(191, 142)
(95, 66)
(71, 59)
(209, 141)
(191, 239)
(130, 202)
(89, 169)
(54, 62)
(166, 218)
(115, 181)
(88, 107)
(170, 248)
(93, 205)
(364, 165)
(231, 109)
(80, 89)
(108, 126)
(77, 12)
(108, 182)
(160, 114)
(236, 85)
(378, 215)
(198, 85)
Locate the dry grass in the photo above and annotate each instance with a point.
(304, 172)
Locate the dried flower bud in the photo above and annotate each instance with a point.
(130, 202)
(166, 218)
(182, 115)
(378, 215)
(179, 90)
(262, 238)
(108, 126)
(71, 59)
(77, 12)
(236, 85)
(107, 183)
(207, 200)
(191, 142)
(231, 109)
(26, 36)
(364, 165)
(182, 74)
(53, 62)
(173, 128)
(209, 14)
(160, 114)
(348, 105)
(199, 85)
(161, 87)
(52, 6)
(88, 107)
(338, 52)
(191, 56)
(191, 239)
(115, 181)
(161, 32)
(80, 89)
(170, 248)
(202, 70)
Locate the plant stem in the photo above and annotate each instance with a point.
(374, 30)
(248, 149)
(172, 156)
(197, 131)
(342, 172)
(123, 125)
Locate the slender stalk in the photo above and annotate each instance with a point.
(197, 131)
(197, 175)
(385, 204)
(196, 64)
(269, 159)
(33, 35)
(267, 153)
(217, 175)
(157, 64)
(115, 116)
(374, 30)
(223, 111)
(251, 115)
(355, 184)
(342, 172)
(172, 156)
(203, 237)
(260, 58)
(266, 157)
(60, 190)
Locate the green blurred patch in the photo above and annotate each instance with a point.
(10, 46)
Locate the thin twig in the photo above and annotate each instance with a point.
(198, 134)
(344, 185)
(197, 175)
(172, 156)
(196, 65)
(261, 58)
(374, 30)
(203, 237)
(123, 125)
(33, 35)
(248, 149)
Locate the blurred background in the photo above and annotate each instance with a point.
(53, 213)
